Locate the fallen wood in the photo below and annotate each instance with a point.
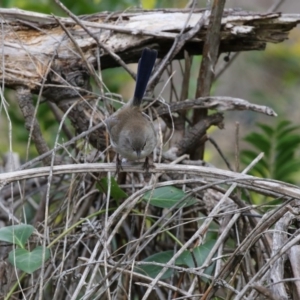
(216, 103)
(34, 43)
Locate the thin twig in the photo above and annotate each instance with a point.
(220, 152)
(177, 45)
(99, 44)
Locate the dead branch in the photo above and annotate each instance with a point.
(280, 238)
(207, 69)
(26, 104)
(267, 186)
(193, 137)
(30, 40)
(216, 103)
(294, 255)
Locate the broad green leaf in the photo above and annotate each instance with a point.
(28, 261)
(168, 196)
(185, 259)
(153, 270)
(16, 234)
(115, 191)
(200, 254)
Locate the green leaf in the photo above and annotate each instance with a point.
(288, 141)
(200, 254)
(115, 191)
(153, 270)
(283, 124)
(260, 142)
(28, 261)
(283, 156)
(250, 154)
(16, 234)
(287, 170)
(283, 132)
(247, 156)
(185, 259)
(168, 196)
(267, 129)
(280, 146)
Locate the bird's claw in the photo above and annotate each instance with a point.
(118, 165)
(146, 165)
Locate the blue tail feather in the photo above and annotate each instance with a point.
(145, 67)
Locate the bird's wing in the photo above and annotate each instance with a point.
(111, 122)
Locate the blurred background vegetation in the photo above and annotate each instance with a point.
(270, 77)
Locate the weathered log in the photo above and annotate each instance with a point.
(34, 43)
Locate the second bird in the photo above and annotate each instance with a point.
(132, 133)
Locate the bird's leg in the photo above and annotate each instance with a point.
(146, 165)
(118, 164)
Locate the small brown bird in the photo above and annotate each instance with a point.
(132, 133)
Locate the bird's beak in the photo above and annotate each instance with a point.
(138, 153)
